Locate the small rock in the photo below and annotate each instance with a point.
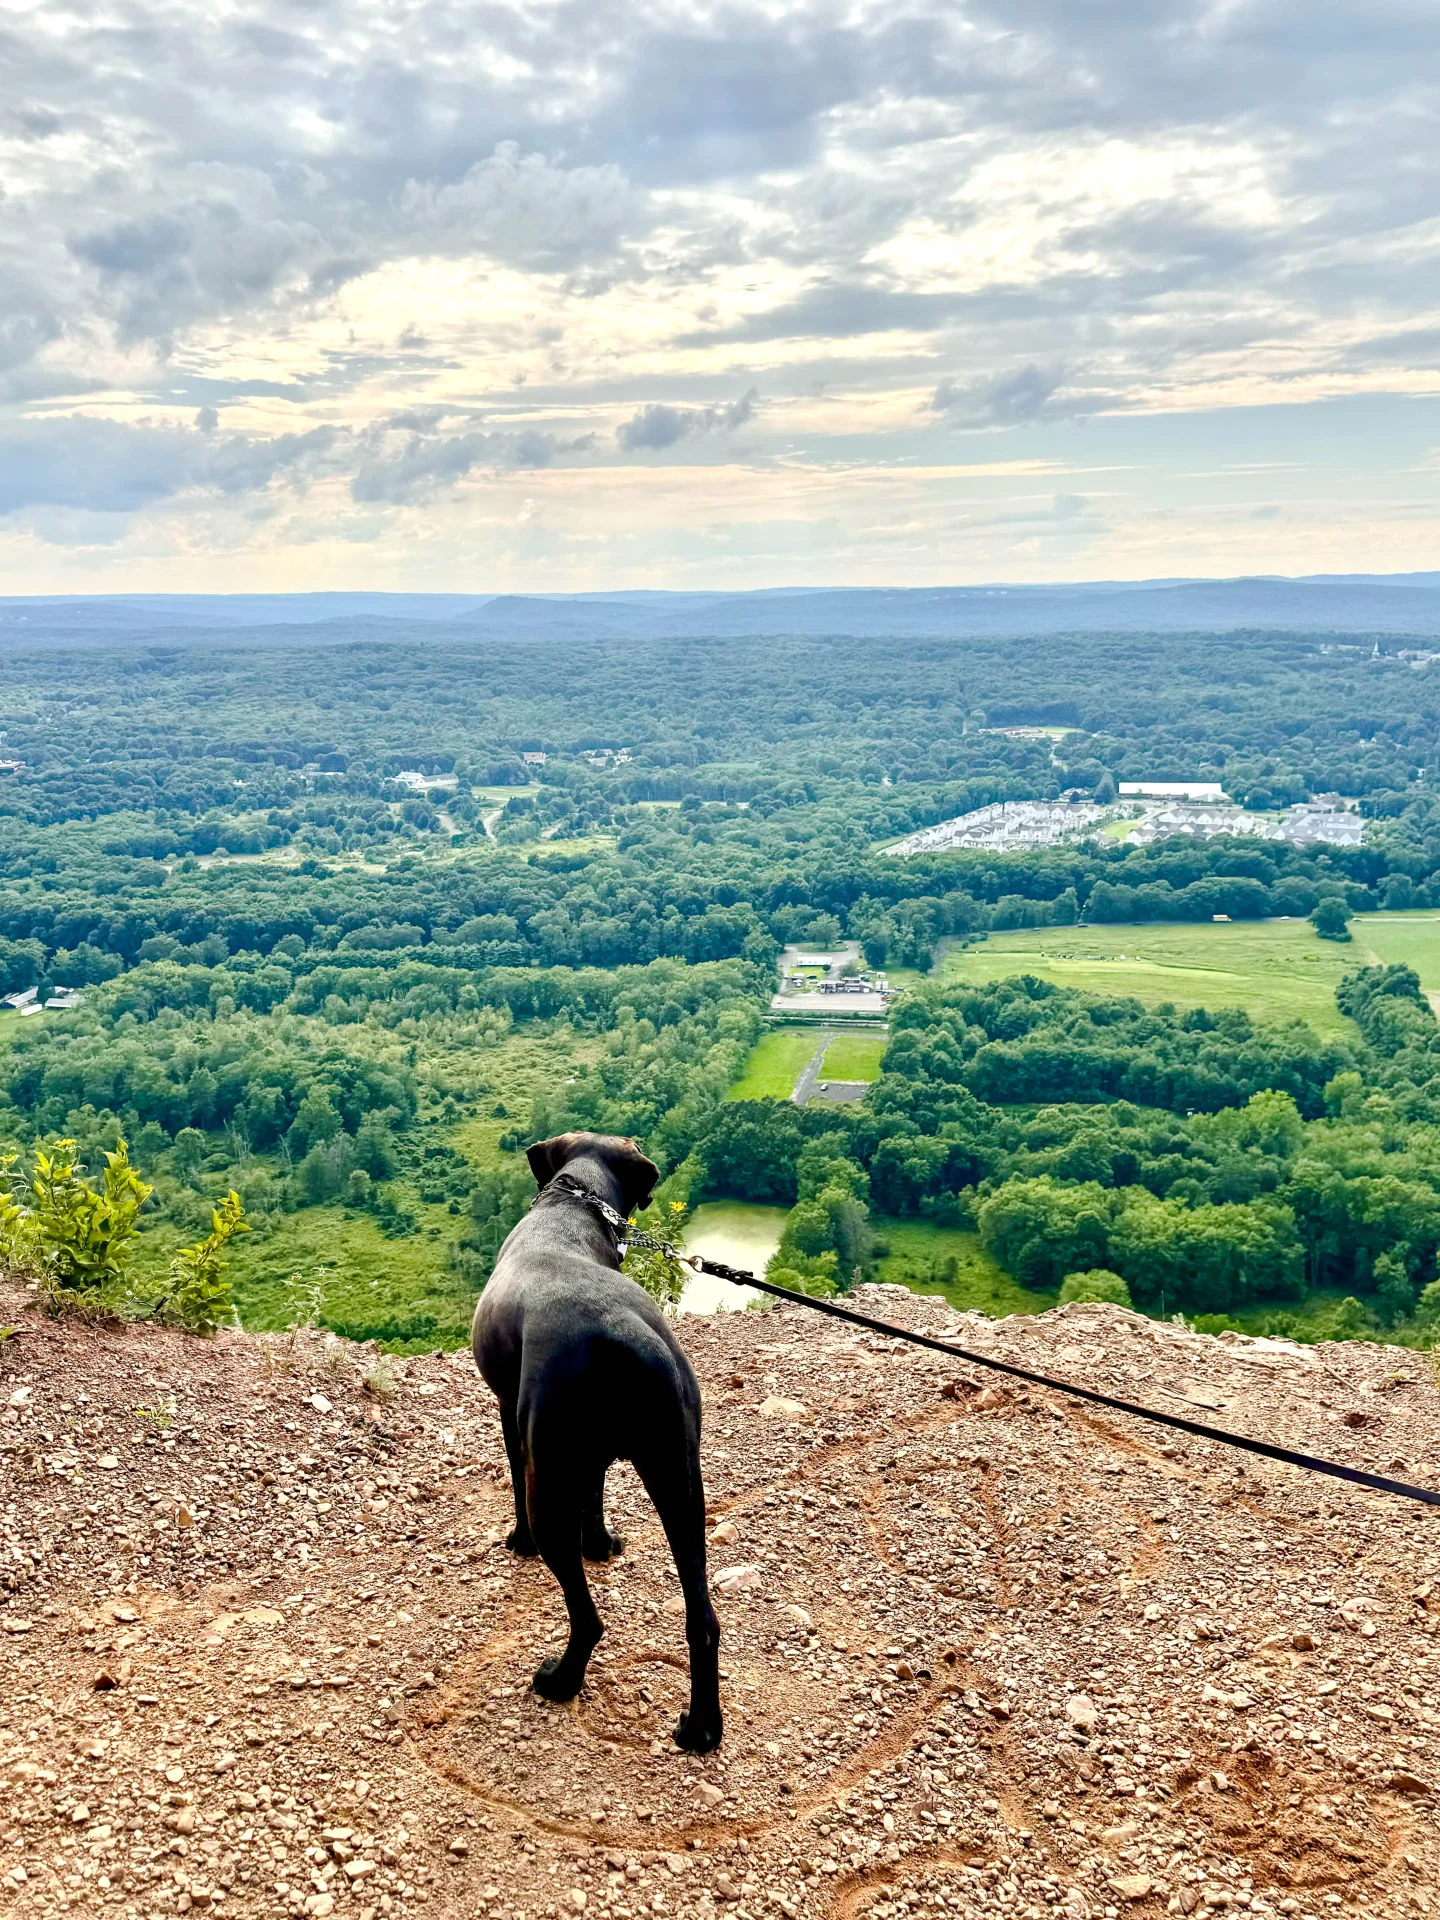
(1400, 1782)
(725, 1534)
(578, 1900)
(1082, 1713)
(1132, 1886)
(1303, 1642)
(1117, 1836)
(184, 1517)
(319, 1403)
(989, 1397)
(779, 1408)
(358, 1870)
(459, 1848)
(710, 1794)
(80, 1815)
(737, 1580)
(904, 1671)
(801, 1617)
(109, 1461)
(1154, 1611)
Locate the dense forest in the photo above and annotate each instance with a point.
(345, 948)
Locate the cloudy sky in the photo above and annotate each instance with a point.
(566, 294)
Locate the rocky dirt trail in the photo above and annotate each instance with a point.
(984, 1652)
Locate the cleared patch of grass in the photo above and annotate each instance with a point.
(775, 1064)
(1389, 939)
(1275, 969)
(919, 1256)
(854, 1056)
(338, 1268)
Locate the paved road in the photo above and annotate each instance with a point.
(810, 1072)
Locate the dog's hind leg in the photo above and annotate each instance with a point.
(596, 1540)
(519, 1540)
(556, 1521)
(679, 1497)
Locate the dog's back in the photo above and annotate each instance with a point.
(557, 1330)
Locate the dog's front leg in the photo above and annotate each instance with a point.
(519, 1540)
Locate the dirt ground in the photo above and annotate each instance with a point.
(984, 1652)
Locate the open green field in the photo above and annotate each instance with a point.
(1412, 939)
(774, 1064)
(1275, 969)
(919, 1258)
(854, 1056)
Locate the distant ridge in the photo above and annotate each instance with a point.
(1360, 604)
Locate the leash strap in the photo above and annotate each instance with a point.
(1310, 1463)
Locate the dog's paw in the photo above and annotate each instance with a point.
(698, 1736)
(518, 1541)
(552, 1682)
(602, 1547)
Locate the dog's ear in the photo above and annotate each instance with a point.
(547, 1157)
(636, 1174)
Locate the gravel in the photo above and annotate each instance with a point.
(984, 1651)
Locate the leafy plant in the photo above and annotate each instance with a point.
(660, 1273)
(160, 1416)
(18, 1245)
(198, 1293)
(83, 1235)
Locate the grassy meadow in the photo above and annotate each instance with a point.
(1275, 969)
(1411, 939)
(919, 1255)
(775, 1064)
(854, 1056)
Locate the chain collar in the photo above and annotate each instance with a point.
(568, 1188)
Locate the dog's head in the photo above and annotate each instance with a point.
(622, 1158)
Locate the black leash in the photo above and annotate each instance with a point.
(625, 1235)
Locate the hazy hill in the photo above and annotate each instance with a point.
(1405, 604)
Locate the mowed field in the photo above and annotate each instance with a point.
(1275, 969)
(1412, 939)
(775, 1064)
(854, 1056)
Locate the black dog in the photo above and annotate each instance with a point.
(587, 1372)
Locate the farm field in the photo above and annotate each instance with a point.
(1275, 969)
(854, 1056)
(775, 1064)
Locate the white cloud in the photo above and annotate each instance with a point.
(320, 223)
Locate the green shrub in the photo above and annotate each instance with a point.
(197, 1295)
(1095, 1284)
(82, 1237)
